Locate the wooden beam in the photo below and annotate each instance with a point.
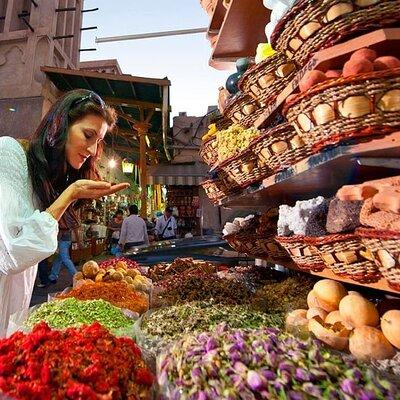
(131, 102)
(149, 116)
(127, 117)
(103, 75)
(126, 149)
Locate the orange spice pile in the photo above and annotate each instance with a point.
(118, 294)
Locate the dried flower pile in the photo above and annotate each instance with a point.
(75, 364)
(166, 324)
(117, 293)
(186, 288)
(72, 312)
(283, 296)
(264, 363)
(119, 262)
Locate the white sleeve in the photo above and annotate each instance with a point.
(122, 235)
(158, 226)
(27, 235)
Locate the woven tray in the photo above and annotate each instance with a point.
(304, 255)
(208, 151)
(242, 109)
(345, 255)
(280, 147)
(384, 247)
(264, 81)
(346, 108)
(219, 188)
(248, 242)
(314, 25)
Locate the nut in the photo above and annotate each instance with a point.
(386, 259)
(308, 29)
(323, 113)
(390, 101)
(354, 106)
(338, 10)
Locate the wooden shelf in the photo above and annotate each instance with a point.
(320, 174)
(383, 41)
(217, 19)
(241, 31)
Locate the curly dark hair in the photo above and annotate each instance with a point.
(48, 168)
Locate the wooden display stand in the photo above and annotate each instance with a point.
(322, 173)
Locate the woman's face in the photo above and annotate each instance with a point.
(83, 138)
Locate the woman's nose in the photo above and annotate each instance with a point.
(92, 149)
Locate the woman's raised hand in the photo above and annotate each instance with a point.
(87, 189)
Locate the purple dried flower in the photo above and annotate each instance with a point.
(317, 374)
(292, 395)
(271, 358)
(196, 372)
(285, 377)
(238, 382)
(211, 344)
(367, 395)
(240, 367)
(202, 396)
(349, 387)
(312, 390)
(235, 356)
(254, 380)
(268, 375)
(286, 366)
(278, 386)
(302, 375)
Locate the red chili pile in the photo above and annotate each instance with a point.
(76, 364)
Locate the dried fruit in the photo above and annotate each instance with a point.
(390, 325)
(329, 294)
(358, 311)
(334, 335)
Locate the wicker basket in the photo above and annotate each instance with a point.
(267, 79)
(314, 25)
(384, 247)
(219, 188)
(304, 255)
(208, 151)
(345, 255)
(248, 242)
(346, 108)
(280, 147)
(242, 109)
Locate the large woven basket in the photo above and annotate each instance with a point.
(345, 255)
(384, 246)
(312, 25)
(208, 151)
(303, 254)
(346, 108)
(264, 81)
(242, 109)
(250, 243)
(219, 188)
(280, 147)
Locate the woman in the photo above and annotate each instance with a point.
(43, 186)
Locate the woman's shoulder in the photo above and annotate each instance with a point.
(12, 146)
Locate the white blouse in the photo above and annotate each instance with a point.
(27, 235)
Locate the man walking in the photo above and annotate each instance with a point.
(133, 230)
(166, 225)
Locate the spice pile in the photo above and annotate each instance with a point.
(118, 262)
(264, 363)
(72, 312)
(180, 265)
(87, 363)
(173, 322)
(118, 294)
(289, 294)
(186, 288)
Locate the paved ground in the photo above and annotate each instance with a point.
(40, 295)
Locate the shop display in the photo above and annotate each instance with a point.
(264, 363)
(87, 363)
(72, 312)
(119, 294)
(343, 216)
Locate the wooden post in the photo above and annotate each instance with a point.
(142, 129)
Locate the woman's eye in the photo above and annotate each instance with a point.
(88, 135)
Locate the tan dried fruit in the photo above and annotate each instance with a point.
(99, 278)
(255, 89)
(358, 311)
(390, 325)
(90, 269)
(329, 294)
(307, 30)
(117, 276)
(386, 259)
(305, 122)
(266, 80)
(279, 147)
(248, 109)
(78, 276)
(347, 257)
(323, 113)
(284, 70)
(295, 43)
(338, 10)
(265, 153)
(296, 142)
(366, 3)
(329, 259)
(354, 106)
(316, 312)
(390, 101)
(335, 335)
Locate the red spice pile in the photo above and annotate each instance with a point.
(118, 294)
(121, 261)
(76, 364)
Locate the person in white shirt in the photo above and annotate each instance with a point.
(166, 225)
(133, 230)
(41, 183)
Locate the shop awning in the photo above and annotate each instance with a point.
(134, 98)
(178, 174)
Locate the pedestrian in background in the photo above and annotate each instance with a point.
(166, 225)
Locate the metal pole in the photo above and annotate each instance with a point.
(151, 35)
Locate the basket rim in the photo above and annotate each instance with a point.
(331, 238)
(260, 66)
(377, 233)
(239, 96)
(342, 81)
(204, 142)
(290, 239)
